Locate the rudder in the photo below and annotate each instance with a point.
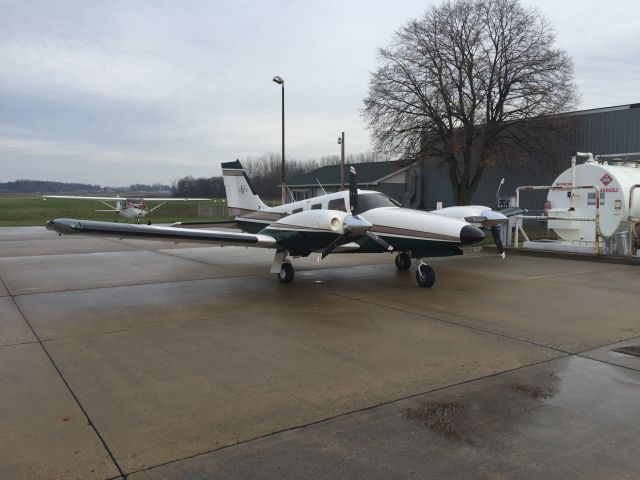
(241, 196)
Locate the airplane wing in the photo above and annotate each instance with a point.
(173, 199)
(113, 199)
(76, 197)
(152, 232)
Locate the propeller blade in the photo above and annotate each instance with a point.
(379, 241)
(353, 191)
(495, 231)
(333, 245)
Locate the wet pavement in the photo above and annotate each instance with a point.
(153, 360)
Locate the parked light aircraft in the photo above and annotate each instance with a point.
(355, 221)
(127, 207)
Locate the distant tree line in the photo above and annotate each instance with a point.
(156, 187)
(43, 186)
(264, 173)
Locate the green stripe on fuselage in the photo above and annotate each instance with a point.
(251, 227)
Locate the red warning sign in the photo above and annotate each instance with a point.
(606, 179)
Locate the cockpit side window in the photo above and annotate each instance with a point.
(338, 204)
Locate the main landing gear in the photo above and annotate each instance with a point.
(281, 266)
(403, 261)
(286, 273)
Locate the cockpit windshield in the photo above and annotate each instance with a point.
(368, 201)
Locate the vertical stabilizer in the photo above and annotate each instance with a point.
(241, 196)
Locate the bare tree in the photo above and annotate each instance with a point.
(471, 81)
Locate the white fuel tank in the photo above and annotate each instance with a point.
(614, 180)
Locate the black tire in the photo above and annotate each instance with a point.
(403, 261)
(286, 273)
(425, 276)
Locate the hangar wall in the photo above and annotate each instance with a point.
(600, 131)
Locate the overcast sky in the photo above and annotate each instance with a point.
(121, 92)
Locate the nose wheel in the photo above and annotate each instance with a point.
(425, 276)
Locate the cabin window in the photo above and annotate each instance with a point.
(296, 210)
(338, 204)
(316, 206)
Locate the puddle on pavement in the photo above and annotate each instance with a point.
(442, 418)
(543, 389)
(633, 350)
(534, 391)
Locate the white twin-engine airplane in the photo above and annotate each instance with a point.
(127, 207)
(354, 221)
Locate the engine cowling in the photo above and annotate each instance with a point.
(313, 220)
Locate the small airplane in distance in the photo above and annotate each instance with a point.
(353, 221)
(127, 207)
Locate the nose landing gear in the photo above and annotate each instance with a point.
(425, 276)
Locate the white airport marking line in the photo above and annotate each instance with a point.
(566, 274)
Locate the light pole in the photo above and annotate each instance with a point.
(341, 143)
(280, 81)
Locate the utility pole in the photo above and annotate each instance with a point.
(341, 143)
(280, 82)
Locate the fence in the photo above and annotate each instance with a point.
(213, 211)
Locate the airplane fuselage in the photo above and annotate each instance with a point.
(422, 233)
(133, 210)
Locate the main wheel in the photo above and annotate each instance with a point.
(286, 273)
(425, 276)
(403, 261)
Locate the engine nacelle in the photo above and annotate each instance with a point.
(312, 220)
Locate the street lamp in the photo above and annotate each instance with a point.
(280, 81)
(341, 143)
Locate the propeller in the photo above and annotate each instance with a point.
(353, 191)
(491, 220)
(495, 231)
(354, 226)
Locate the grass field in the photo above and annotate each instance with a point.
(36, 211)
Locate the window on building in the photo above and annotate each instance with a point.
(338, 204)
(300, 195)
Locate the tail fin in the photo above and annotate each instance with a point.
(241, 196)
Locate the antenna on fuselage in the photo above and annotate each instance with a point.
(323, 190)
